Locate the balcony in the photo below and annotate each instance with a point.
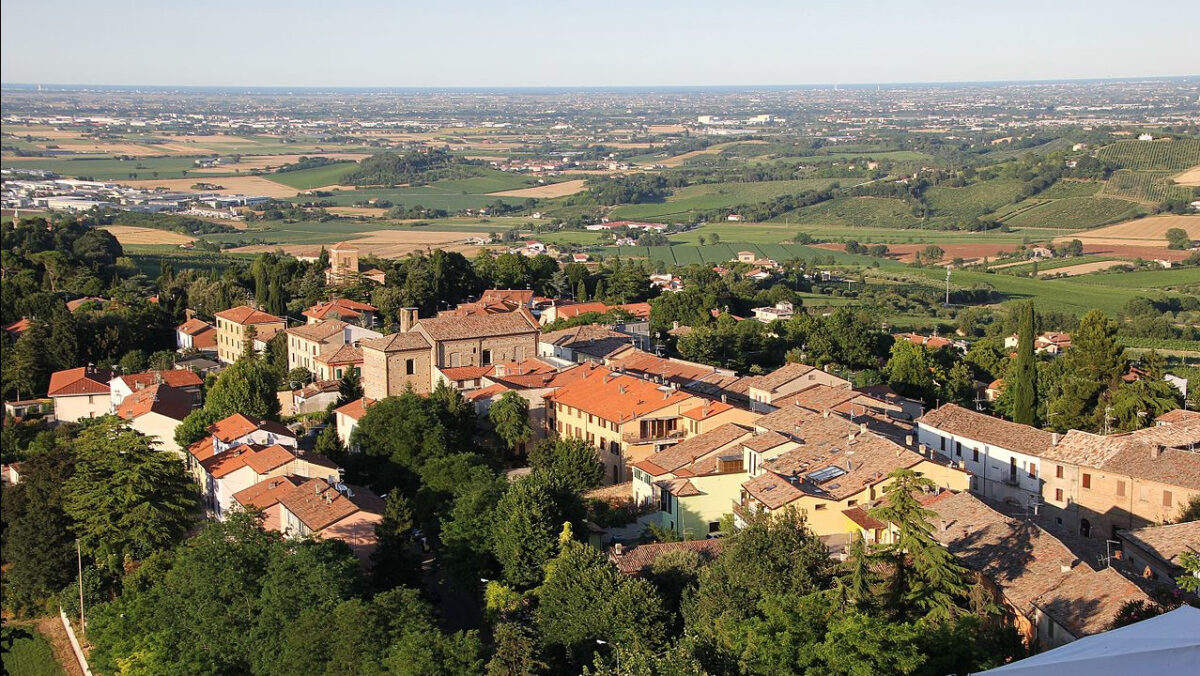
(653, 436)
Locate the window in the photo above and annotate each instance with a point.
(1087, 480)
(1167, 498)
(486, 357)
(714, 526)
(958, 448)
(410, 367)
(1120, 489)
(1058, 496)
(975, 455)
(1058, 471)
(820, 507)
(1032, 471)
(851, 503)
(943, 443)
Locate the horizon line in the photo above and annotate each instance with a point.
(35, 86)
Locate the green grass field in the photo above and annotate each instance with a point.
(307, 179)
(967, 203)
(1054, 264)
(31, 656)
(1075, 213)
(686, 202)
(1164, 155)
(1108, 292)
(724, 252)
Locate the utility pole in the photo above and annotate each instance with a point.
(947, 286)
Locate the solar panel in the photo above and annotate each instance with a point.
(825, 474)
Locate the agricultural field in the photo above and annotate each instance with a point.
(548, 191)
(1064, 189)
(1074, 213)
(1148, 187)
(727, 251)
(1191, 177)
(1150, 231)
(105, 168)
(1164, 155)
(1077, 295)
(389, 243)
(229, 185)
(132, 235)
(686, 202)
(967, 203)
(877, 212)
(317, 177)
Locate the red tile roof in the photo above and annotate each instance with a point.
(707, 410)
(344, 354)
(319, 332)
(320, 505)
(79, 381)
(339, 308)
(480, 326)
(194, 326)
(244, 314)
(260, 459)
(484, 393)
(266, 493)
(460, 373)
(397, 342)
(356, 409)
(963, 422)
(173, 377)
(239, 425)
(18, 327)
(514, 296)
(162, 399)
(615, 397)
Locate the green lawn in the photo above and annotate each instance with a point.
(32, 656)
(316, 177)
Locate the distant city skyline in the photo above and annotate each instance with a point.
(474, 44)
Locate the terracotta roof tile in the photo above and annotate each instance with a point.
(174, 377)
(239, 425)
(79, 381)
(342, 354)
(458, 328)
(397, 342)
(162, 399)
(783, 375)
(707, 410)
(356, 409)
(591, 339)
(244, 314)
(963, 422)
(195, 326)
(1167, 542)
(1027, 563)
(320, 331)
(266, 493)
(692, 449)
(320, 505)
(618, 398)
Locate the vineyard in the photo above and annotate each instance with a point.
(1074, 212)
(1164, 155)
(1160, 343)
(1144, 186)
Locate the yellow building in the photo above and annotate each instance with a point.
(626, 418)
(833, 467)
(233, 330)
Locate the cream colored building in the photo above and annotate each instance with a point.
(80, 393)
(234, 327)
(626, 418)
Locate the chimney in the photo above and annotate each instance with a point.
(408, 317)
(908, 440)
(618, 549)
(1066, 565)
(825, 413)
(862, 427)
(1156, 450)
(1054, 439)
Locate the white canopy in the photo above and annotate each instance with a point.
(1165, 645)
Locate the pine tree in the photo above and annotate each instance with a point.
(1023, 378)
(927, 578)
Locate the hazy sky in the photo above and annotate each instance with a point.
(597, 43)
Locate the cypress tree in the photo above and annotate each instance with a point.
(1024, 372)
